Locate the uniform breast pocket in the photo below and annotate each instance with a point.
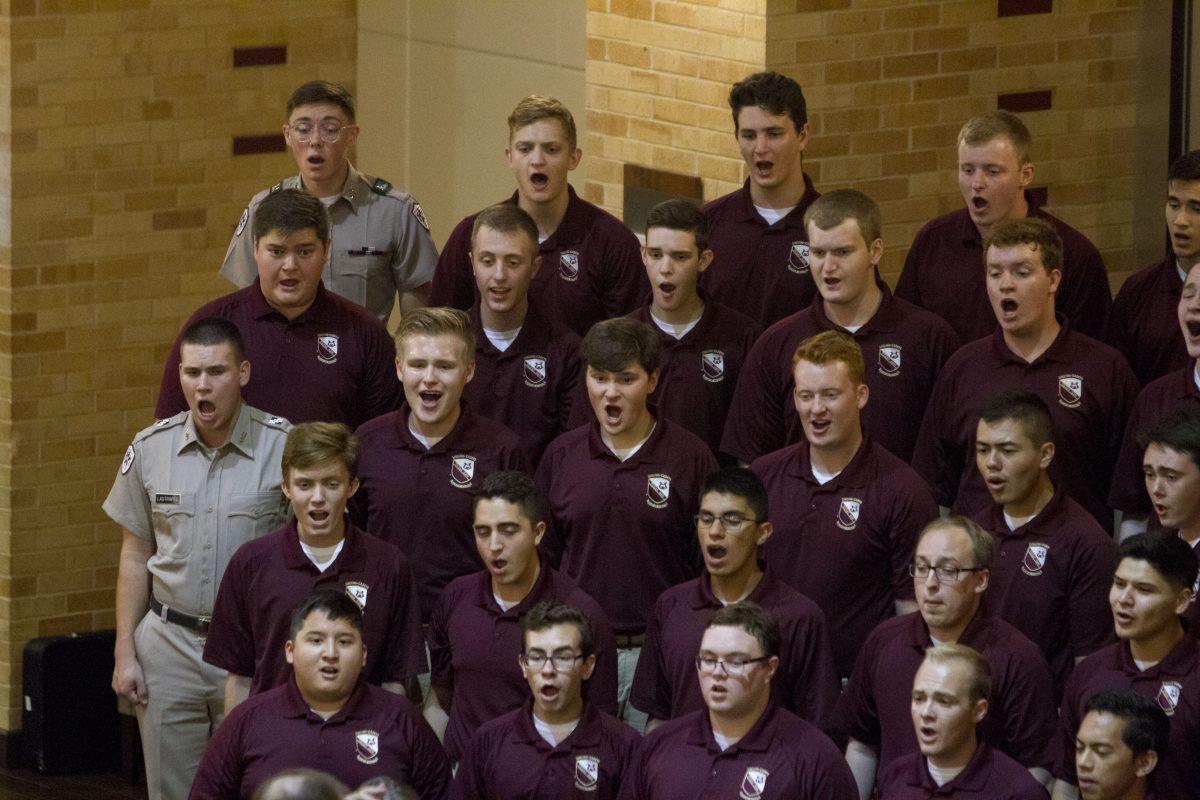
(364, 275)
(252, 515)
(174, 523)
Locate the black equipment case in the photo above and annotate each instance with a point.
(69, 716)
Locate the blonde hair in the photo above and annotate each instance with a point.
(830, 346)
(980, 685)
(436, 321)
(537, 107)
(985, 127)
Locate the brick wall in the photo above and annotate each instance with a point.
(123, 195)
(888, 85)
(658, 74)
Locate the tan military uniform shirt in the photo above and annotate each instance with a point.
(199, 505)
(381, 243)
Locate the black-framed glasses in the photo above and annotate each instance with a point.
(563, 662)
(304, 131)
(946, 573)
(734, 665)
(731, 521)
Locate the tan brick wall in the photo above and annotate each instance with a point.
(888, 86)
(658, 73)
(124, 194)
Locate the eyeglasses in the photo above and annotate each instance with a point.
(304, 131)
(946, 573)
(731, 521)
(563, 662)
(734, 665)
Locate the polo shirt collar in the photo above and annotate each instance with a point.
(644, 314)
(352, 189)
(543, 586)
(294, 707)
(260, 308)
(856, 473)
(352, 558)
(460, 437)
(1046, 523)
(599, 449)
(1181, 660)
(973, 778)
(703, 597)
(535, 331)
(1062, 349)
(746, 212)
(975, 635)
(885, 319)
(571, 228)
(1188, 389)
(586, 733)
(758, 739)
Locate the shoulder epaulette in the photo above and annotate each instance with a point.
(270, 420)
(380, 186)
(277, 187)
(162, 424)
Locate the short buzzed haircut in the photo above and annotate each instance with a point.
(830, 346)
(315, 444)
(301, 783)
(775, 93)
(614, 344)
(1037, 233)
(506, 218)
(680, 215)
(754, 620)
(549, 613)
(830, 210)
(211, 331)
(535, 108)
(1170, 556)
(322, 92)
(512, 486)
(1179, 431)
(288, 211)
(1147, 726)
(1023, 407)
(1185, 168)
(334, 604)
(437, 321)
(992, 124)
(983, 544)
(980, 685)
(739, 482)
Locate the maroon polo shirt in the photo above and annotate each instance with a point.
(623, 530)
(1088, 387)
(1156, 402)
(1144, 325)
(375, 733)
(333, 363)
(846, 544)
(1173, 683)
(876, 708)
(473, 649)
(421, 500)
(268, 577)
(698, 373)
(944, 272)
(508, 760)
(758, 269)
(782, 756)
(591, 269)
(1050, 580)
(904, 348)
(528, 388)
(665, 685)
(989, 775)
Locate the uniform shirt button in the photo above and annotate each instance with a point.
(210, 509)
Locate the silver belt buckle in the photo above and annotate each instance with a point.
(163, 614)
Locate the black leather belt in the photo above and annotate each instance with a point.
(627, 640)
(168, 614)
